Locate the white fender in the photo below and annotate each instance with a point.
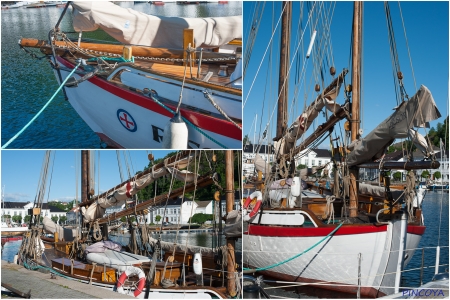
(175, 133)
(198, 269)
(296, 187)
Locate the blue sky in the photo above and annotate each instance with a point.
(21, 171)
(427, 30)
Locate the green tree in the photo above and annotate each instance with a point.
(205, 165)
(300, 166)
(17, 219)
(425, 174)
(437, 175)
(63, 219)
(397, 176)
(157, 218)
(27, 219)
(201, 218)
(55, 219)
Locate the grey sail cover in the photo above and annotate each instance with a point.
(416, 112)
(132, 27)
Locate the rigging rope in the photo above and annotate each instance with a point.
(155, 98)
(42, 109)
(247, 270)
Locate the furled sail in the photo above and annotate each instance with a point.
(416, 112)
(304, 121)
(132, 27)
(129, 189)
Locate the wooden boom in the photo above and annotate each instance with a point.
(117, 49)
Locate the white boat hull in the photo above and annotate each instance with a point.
(334, 262)
(125, 119)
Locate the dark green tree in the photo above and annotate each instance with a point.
(397, 176)
(55, 219)
(27, 219)
(200, 218)
(300, 166)
(63, 219)
(158, 218)
(17, 219)
(425, 174)
(437, 175)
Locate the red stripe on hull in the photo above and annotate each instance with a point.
(414, 229)
(211, 124)
(312, 231)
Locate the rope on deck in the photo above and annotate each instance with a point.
(42, 109)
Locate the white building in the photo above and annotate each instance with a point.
(313, 157)
(249, 154)
(21, 209)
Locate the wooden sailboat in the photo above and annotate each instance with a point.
(171, 270)
(164, 71)
(341, 237)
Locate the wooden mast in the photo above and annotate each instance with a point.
(284, 66)
(229, 190)
(356, 93)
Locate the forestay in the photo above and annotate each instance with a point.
(132, 27)
(416, 112)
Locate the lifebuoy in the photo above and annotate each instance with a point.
(255, 209)
(132, 271)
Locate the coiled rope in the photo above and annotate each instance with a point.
(247, 270)
(42, 109)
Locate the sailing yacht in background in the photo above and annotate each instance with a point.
(336, 233)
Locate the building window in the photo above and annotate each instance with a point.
(313, 162)
(306, 162)
(320, 162)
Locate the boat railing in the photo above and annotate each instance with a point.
(426, 266)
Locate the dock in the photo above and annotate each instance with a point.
(44, 285)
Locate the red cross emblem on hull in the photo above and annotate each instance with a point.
(126, 120)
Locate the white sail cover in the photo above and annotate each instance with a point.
(128, 190)
(304, 121)
(416, 112)
(132, 27)
(64, 234)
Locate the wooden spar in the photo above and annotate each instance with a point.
(115, 49)
(336, 117)
(85, 163)
(201, 182)
(169, 160)
(229, 190)
(413, 165)
(283, 87)
(328, 125)
(356, 93)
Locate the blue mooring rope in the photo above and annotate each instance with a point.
(190, 124)
(42, 109)
(295, 256)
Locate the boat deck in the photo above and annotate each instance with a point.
(42, 285)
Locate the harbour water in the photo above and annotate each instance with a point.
(28, 83)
